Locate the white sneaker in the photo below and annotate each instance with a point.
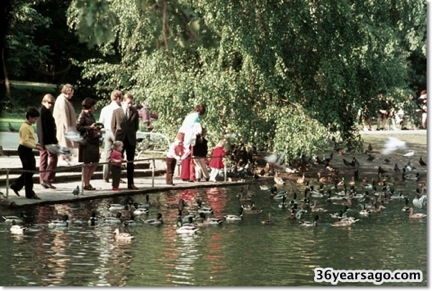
(212, 180)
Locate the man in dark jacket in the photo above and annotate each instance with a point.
(124, 125)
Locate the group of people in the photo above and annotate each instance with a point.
(390, 115)
(190, 149)
(56, 119)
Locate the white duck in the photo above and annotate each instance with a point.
(17, 229)
(115, 207)
(185, 229)
(10, 219)
(122, 236)
(233, 217)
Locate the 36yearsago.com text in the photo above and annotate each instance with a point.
(377, 277)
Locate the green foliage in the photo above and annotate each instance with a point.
(21, 50)
(279, 75)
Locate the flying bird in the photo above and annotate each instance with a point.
(392, 145)
(73, 135)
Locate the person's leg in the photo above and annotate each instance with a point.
(52, 165)
(43, 165)
(130, 155)
(424, 120)
(92, 169)
(115, 175)
(197, 167)
(170, 164)
(108, 141)
(29, 164)
(86, 178)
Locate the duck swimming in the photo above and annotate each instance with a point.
(268, 221)
(185, 229)
(155, 221)
(64, 222)
(308, 223)
(233, 217)
(122, 236)
(17, 229)
(9, 219)
(416, 215)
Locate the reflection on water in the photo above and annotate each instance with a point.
(236, 254)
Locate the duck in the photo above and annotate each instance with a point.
(113, 219)
(419, 201)
(280, 194)
(115, 207)
(364, 211)
(63, 222)
(283, 203)
(234, 217)
(308, 223)
(406, 208)
(268, 221)
(155, 221)
(185, 229)
(314, 208)
(316, 193)
(17, 229)
(347, 221)
(93, 220)
(10, 219)
(278, 179)
(202, 208)
(416, 215)
(301, 180)
(122, 236)
(251, 209)
(203, 220)
(141, 211)
(264, 187)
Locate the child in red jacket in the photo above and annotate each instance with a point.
(216, 162)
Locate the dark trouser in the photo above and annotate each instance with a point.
(47, 163)
(170, 164)
(28, 162)
(115, 174)
(130, 155)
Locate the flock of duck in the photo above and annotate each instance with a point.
(355, 198)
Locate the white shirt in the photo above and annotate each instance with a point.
(107, 113)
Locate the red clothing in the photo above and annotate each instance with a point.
(116, 155)
(216, 158)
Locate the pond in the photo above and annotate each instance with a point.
(247, 253)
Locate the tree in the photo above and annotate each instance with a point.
(281, 75)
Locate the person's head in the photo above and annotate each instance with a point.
(118, 145)
(32, 115)
(48, 101)
(221, 143)
(68, 90)
(127, 100)
(203, 132)
(201, 109)
(116, 96)
(89, 104)
(180, 137)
